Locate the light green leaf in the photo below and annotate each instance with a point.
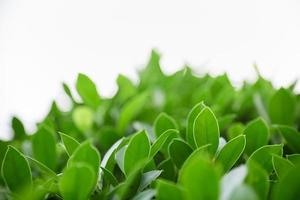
(159, 142)
(163, 123)
(167, 190)
(243, 192)
(83, 118)
(257, 135)
(88, 154)
(87, 91)
(291, 136)
(282, 107)
(43, 168)
(148, 178)
(263, 156)
(15, 171)
(294, 158)
(70, 143)
(190, 123)
(199, 178)
(281, 166)
(206, 130)
(77, 182)
(138, 149)
(130, 110)
(288, 186)
(231, 152)
(44, 148)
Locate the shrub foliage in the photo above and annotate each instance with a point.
(180, 136)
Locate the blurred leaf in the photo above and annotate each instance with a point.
(199, 178)
(291, 136)
(83, 118)
(243, 192)
(87, 91)
(294, 158)
(145, 195)
(18, 128)
(167, 190)
(148, 178)
(281, 166)
(282, 107)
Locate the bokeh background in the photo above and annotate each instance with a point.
(43, 43)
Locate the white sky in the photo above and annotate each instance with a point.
(45, 42)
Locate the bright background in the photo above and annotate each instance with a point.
(43, 43)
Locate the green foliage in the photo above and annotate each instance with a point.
(179, 136)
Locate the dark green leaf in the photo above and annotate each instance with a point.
(291, 136)
(179, 151)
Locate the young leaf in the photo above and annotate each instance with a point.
(291, 136)
(44, 148)
(159, 142)
(77, 182)
(15, 171)
(199, 178)
(257, 135)
(167, 190)
(70, 143)
(179, 151)
(281, 166)
(206, 130)
(88, 154)
(163, 123)
(190, 123)
(138, 149)
(263, 156)
(87, 91)
(231, 152)
(282, 107)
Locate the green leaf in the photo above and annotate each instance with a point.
(119, 157)
(43, 168)
(18, 128)
(263, 156)
(167, 190)
(138, 149)
(160, 141)
(206, 130)
(257, 135)
(243, 192)
(148, 178)
(258, 179)
(130, 110)
(292, 137)
(126, 88)
(15, 171)
(281, 166)
(199, 178)
(145, 195)
(288, 186)
(231, 152)
(87, 91)
(168, 170)
(77, 182)
(282, 107)
(190, 123)
(44, 148)
(294, 158)
(70, 143)
(179, 151)
(88, 154)
(163, 123)
(108, 177)
(83, 118)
